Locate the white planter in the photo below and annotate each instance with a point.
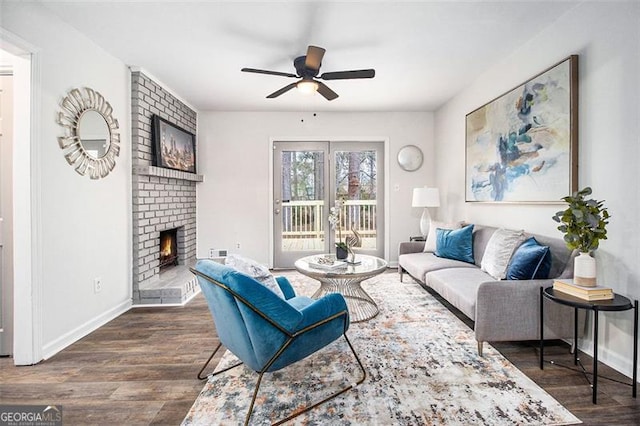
(584, 270)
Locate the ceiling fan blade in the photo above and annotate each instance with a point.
(324, 90)
(281, 91)
(347, 75)
(314, 57)
(282, 74)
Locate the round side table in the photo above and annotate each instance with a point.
(618, 303)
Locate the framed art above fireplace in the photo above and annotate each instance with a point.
(174, 147)
(522, 147)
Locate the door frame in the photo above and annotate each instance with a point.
(27, 297)
(330, 139)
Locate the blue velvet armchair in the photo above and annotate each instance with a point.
(265, 331)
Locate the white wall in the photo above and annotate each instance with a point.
(82, 228)
(607, 39)
(233, 154)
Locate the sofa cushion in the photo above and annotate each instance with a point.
(499, 250)
(419, 264)
(258, 272)
(530, 261)
(459, 286)
(456, 244)
(430, 244)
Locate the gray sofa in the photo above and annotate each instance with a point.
(502, 310)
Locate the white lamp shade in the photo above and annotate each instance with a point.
(425, 197)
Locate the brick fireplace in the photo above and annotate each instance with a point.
(163, 199)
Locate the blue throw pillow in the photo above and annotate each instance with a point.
(456, 244)
(530, 261)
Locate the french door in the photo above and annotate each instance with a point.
(308, 179)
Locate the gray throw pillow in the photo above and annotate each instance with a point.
(255, 270)
(499, 250)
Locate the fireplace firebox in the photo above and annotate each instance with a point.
(168, 248)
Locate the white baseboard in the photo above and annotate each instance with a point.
(73, 336)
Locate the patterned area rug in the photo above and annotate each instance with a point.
(422, 369)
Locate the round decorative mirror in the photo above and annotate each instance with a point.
(90, 143)
(94, 134)
(410, 158)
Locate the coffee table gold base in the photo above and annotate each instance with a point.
(361, 306)
(346, 280)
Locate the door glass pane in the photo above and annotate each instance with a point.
(302, 201)
(356, 185)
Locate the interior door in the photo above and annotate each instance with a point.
(300, 200)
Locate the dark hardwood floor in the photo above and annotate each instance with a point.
(138, 369)
(141, 368)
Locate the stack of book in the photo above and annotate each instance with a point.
(582, 292)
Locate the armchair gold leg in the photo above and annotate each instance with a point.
(310, 407)
(201, 377)
(330, 397)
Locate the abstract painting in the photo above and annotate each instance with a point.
(522, 147)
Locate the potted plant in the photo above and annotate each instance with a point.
(335, 219)
(583, 223)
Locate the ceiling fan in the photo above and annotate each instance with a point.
(307, 69)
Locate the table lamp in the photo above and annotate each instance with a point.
(425, 197)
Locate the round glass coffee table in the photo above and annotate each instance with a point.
(346, 281)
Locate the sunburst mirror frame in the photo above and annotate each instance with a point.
(73, 107)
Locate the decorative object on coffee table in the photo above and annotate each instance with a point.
(353, 240)
(335, 219)
(583, 223)
(425, 197)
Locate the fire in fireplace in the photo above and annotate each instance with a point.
(168, 248)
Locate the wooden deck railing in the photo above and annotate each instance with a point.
(306, 219)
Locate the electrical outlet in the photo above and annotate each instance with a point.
(237, 245)
(97, 285)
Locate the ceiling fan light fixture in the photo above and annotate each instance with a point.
(307, 70)
(307, 87)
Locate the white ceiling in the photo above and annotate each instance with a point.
(424, 52)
